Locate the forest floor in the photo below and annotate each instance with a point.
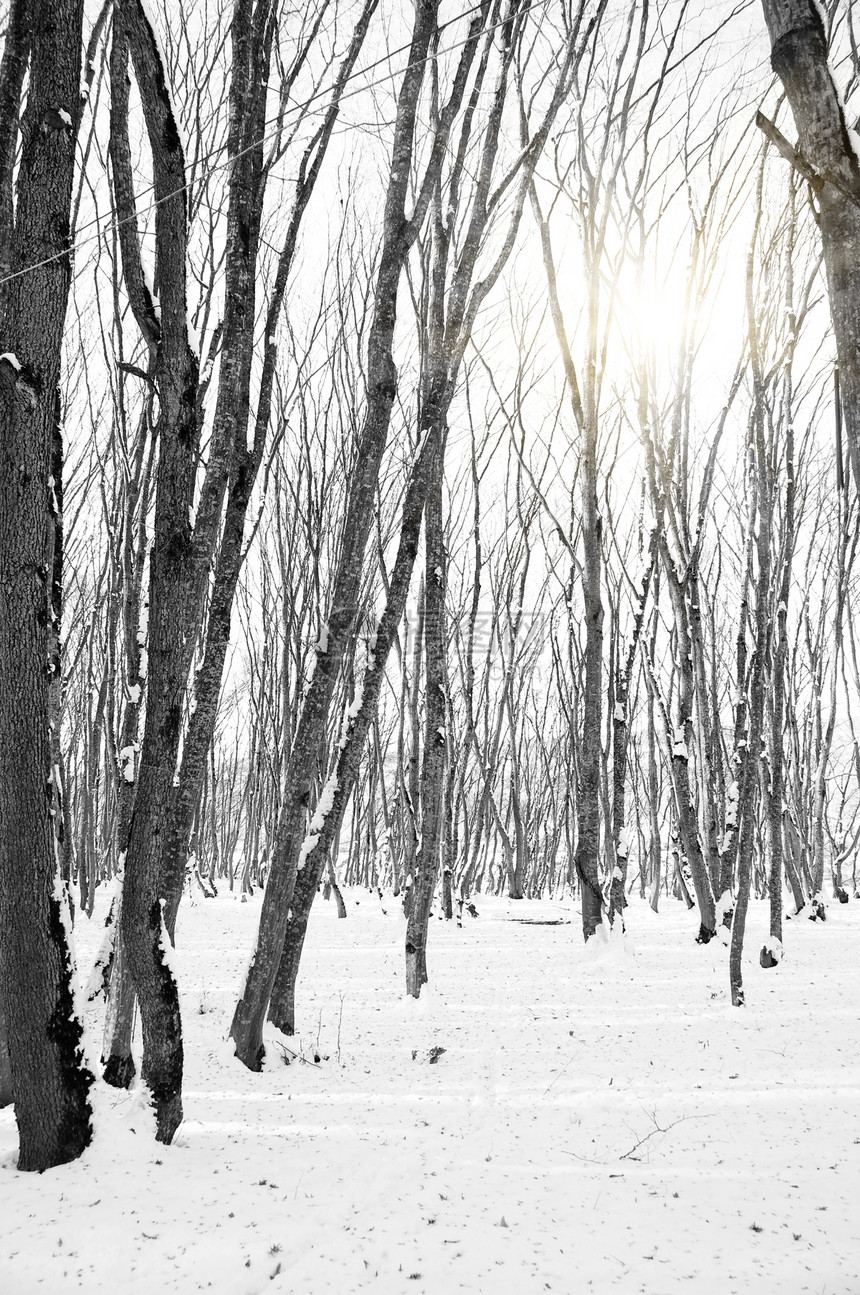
(600, 1119)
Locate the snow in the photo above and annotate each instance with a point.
(65, 118)
(352, 712)
(597, 1122)
(190, 327)
(12, 359)
(134, 694)
(168, 953)
(126, 762)
(317, 823)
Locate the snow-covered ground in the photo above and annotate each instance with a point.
(599, 1120)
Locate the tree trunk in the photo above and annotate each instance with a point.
(7, 1097)
(799, 58)
(435, 731)
(43, 1033)
(119, 1067)
(247, 1026)
(141, 927)
(352, 743)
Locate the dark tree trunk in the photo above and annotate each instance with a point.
(799, 58)
(6, 1094)
(142, 928)
(43, 1033)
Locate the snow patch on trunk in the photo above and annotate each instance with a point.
(317, 823)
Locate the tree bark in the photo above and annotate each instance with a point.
(435, 730)
(43, 1033)
(247, 1026)
(142, 928)
(282, 1008)
(7, 1097)
(799, 58)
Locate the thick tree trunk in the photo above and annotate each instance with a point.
(7, 1097)
(799, 58)
(43, 1033)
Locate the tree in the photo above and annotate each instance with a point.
(49, 1081)
(826, 158)
(198, 548)
(399, 233)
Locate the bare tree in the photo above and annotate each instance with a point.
(827, 159)
(42, 1031)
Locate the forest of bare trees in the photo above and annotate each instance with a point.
(429, 451)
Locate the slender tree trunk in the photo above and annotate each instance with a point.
(685, 804)
(435, 732)
(352, 743)
(620, 740)
(176, 377)
(247, 1026)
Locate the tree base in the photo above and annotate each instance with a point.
(119, 1071)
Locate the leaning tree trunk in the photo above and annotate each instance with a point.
(237, 349)
(248, 1019)
(295, 849)
(829, 161)
(43, 1032)
(326, 827)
